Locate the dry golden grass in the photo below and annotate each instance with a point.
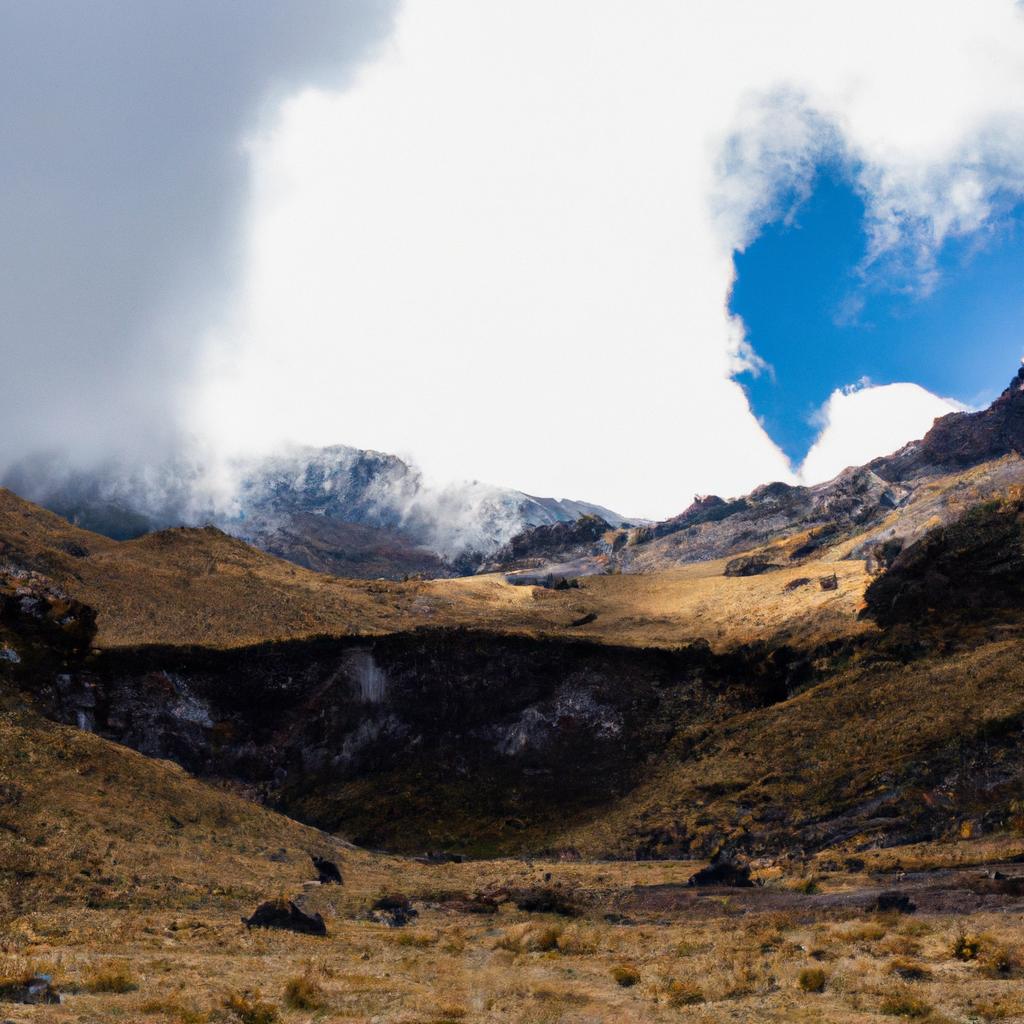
(199, 586)
(830, 743)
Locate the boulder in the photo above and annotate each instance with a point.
(544, 900)
(890, 902)
(395, 911)
(285, 915)
(723, 871)
(327, 871)
(750, 565)
(35, 990)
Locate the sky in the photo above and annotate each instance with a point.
(618, 252)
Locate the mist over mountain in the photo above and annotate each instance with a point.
(337, 509)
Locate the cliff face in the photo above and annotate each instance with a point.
(410, 741)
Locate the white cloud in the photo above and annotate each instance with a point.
(861, 423)
(507, 249)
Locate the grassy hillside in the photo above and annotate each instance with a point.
(199, 586)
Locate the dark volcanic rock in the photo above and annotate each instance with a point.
(327, 871)
(381, 738)
(888, 902)
(285, 915)
(557, 542)
(544, 900)
(723, 871)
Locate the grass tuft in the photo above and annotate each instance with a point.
(811, 979)
(303, 993)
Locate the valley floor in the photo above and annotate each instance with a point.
(804, 947)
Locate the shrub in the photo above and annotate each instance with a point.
(683, 993)
(692, 948)
(303, 993)
(966, 946)
(808, 886)
(903, 1004)
(1000, 961)
(868, 932)
(172, 1008)
(812, 979)
(625, 975)
(909, 970)
(574, 941)
(111, 979)
(251, 1011)
(530, 939)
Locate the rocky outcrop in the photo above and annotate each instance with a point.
(286, 916)
(750, 565)
(970, 570)
(557, 542)
(963, 439)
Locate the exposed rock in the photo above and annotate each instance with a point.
(963, 439)
(465, 716)
(750, 565)
(829, 582)
(440, 857)
(544, 900)
(723, 871)
(395, 911)
(285, 915)
(971, 569)
(893, 902)
(36, 990)
(800, 581)
(327, 871)
(555, 542)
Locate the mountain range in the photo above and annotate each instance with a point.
(818, 690)
(341, 510)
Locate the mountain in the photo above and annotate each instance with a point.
(340, 510)
(819, 690)
(887, 504)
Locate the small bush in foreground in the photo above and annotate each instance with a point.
(683, 993)
(1000, 962)
(812, 979)
(303, 993)
(112, 979)
(909, 970)
(966, 946)
(903, 1004)
(251, 1011)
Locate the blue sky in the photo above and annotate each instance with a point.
(498, 239)
(798, 279)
